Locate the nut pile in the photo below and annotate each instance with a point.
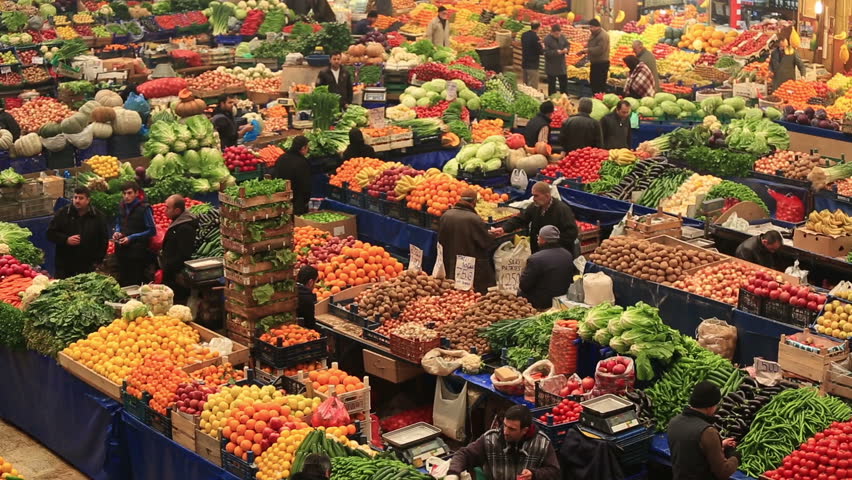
(433, 309)
(389, 298)
(415, 332)
(654, 262)
(493, 307)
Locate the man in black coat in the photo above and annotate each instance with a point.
(80, 233)
(548, 272)
(133, 231)
(178, 246)
(538, 128)
(305, 281)
(338, 80)
(615, 127)
(225, 124)
(365, 25)
(545, 210)
(581, 130)
(531, 50)
(760, 249)
(294, 166)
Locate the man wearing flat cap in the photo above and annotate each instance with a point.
(698, 451)
(548, 272)
(462, 232)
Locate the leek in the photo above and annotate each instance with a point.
(820, 177)
(219, 18)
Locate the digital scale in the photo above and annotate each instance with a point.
(374, 97)
(417, 442)
(609, 414)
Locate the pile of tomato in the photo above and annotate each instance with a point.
(565, 412)
(583, 164)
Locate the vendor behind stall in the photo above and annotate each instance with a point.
(538, 128)
(548, 272)
(306, 279)
(133, 229)
(294, 166)
(365, 25)
(545, 210)
(338, 80)
(224, 122)
(515, 452)
(178, 246)
(81, 235)
(783, 62)
(760, 249)
(357, 147)
(616, 127)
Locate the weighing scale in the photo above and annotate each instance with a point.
(417, 442)
(609, 414)
(374, 97)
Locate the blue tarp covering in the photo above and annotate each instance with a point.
(823, 201)
(427, 160)
(38, 226)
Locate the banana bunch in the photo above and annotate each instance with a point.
(367, 175)
(406, 184)
(828, 223)
(622, 156)
(491, 211)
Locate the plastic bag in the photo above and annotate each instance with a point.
(597, 288)
(155, 243)
(519, 178)
(137, 103)
(562, 351)
(438, 270)
(796, 271)
(788, 208)
(252, 134)
(514, 387)
(562, 386)
(330, 413)
(509, 262)
(537, 371)
(614, 375)
(55, 144)
(442, 362)
(158, 298)
(449, 411)
(718, 336)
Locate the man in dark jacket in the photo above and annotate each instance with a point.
(548, 272)
(338, 80)
(538, 128)
(365, 25)
(80, 233)
(224, 123)
(462, 232)
(580, 130)
(8, 122)
(294, 166)
(178, 246)
(305, 281)
(531, 50)
(648, 58)
(515, 452)
(133, 230)
(545, 210)
(615, 127)
(698, 452)
(316, 467)
(760, 249)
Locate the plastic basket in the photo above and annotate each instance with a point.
(243, 176)
(776, 310)
(802, 317)
(282, 357)
(369, 333)
(339, 194)
(125, 146)
(244, 470)
(159, 422)
(412, 350)
(136, 407)
(555, 432)
(749, 302)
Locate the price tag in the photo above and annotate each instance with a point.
(5, 69)
(761, 365)
(38, 61)
(465, 267)
(452, 91)
(509, 274)
(415, 255)
(377, 117)
(438, 268)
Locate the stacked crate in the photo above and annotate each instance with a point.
(241, 216)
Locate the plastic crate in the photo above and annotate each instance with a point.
(25, 165)
(99, 146)
(64, 158)
(749, 302)
(136, 407)
(159, 422)
(373, 204)
(412, 350)
(339, 194)
(244, 470)
(243, 176)
(125, 146)
(282, 357)
(357, 199)
(395, 210)
(777, 310)
(369, 333)
(555, 432)
(802, 317)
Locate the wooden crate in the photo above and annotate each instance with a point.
(255, 279)
(255, 247)
(184, 429)
(208, 447)
(242, 233)
(356, 402)
(243, 202)
(812, 365)
(838, 381)
(246, 296)
(240, 214)
(258, 312)
(654, 222)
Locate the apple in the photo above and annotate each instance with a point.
(577, 392)
(619, 369)
(588, 383)
(773, 285)
(784, 296)
(774, 294)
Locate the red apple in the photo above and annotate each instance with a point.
(588, 383)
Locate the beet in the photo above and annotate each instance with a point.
(803, 119)
(809, 112)
(824, 124)
(821, 114)
(789, 110)
(792, 118)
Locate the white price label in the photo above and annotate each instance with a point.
(465, 267)
(452, 91)
(38, 61)
(509, 274)
(415, 263)
(761, 365)
(5, 69)
(377, 117)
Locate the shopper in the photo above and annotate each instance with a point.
(382, 7)
(698, 451)
(783, 62)
(357, 147)
(316, 467)
(133, 230)
(648, 58)
(8, 122)
(365, 25)
(598, 51)
(438, 30)
(531, 50)
(337, 79)
(548, 272)
(178, 247)
(224, 122)
(556, 46)
(615, 127)
(299, 7)
(305, 280)
(580, 130)
(760, 249)
(81, 235)
(538, 128)
(294, 166)
(640, 81)
(545, 210)
(462, 232)
(515, 452)
(322, 11)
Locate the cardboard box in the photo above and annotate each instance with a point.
(340, 228)
(822, 244)
(54, 186)
(390, 369)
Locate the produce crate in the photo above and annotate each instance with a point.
(238, 214)
(245, 266)
(777, 310)
(412, 350)
(838, 381)
(369, 333)
(252, 280)
(208, 448)
(544, 388)
(256, 313)
(136, 407)
(244, 470)
(125, 146)
(340, 194)
(749, 302)
(555, 432)
(809, 361)
(243, 176)
(655, 222)
(356, 402)
(802, 317)
(242, 201)
(159, 422)
(240, 327)
(347, 310)
(37, 207)
(10, 210)
(242, 234)
(254, 247)
(508, 119)
(279, 356)
(246, 296)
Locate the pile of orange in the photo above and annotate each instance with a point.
(441, 192)
(346, 172)
(254, 427)
(343, 382)
(158, 376)
(290, 335)
(305, 367)
(356, 265)
(482, 129)
(796, 93)
(307, 237)
(218, 374)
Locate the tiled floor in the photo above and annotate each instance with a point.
(32, 459)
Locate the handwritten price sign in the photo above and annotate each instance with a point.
(415, 264)
(509, 274)
(465, 267)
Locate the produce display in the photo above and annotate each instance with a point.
(654, 262)
(834, 319)
(463, 333)
(529, 338)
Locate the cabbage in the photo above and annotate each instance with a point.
(772, 113)
(467, 152)
(473, 103)
(663, 96)
(648, 102)
(163, 132)
(493, 164)
(634, 104)
(619, 345)
(726, 111)
(182, 132)
(474, 165)
(152, 148)
(586, 331)
(451, 168)
(602, 336)
(599, 109)
(686, 105)
(600, 315)
(133, 309)
(424, 101)
(485, 151)
(192, 162)
(179, 146)
(418, 93)
(200, 127)
(46, 10)
(645, 111)
(495, 139)
(670, 108)
(200, 185)
(408, 100)
(737, 102)
(467, 94)
(710, 104)
(610, 100)
(753, 114)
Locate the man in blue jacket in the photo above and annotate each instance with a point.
(549, 272)
(531, 50)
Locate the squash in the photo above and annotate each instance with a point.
(82, 140)
(515, 157)
(101, 130)
(450, 139)
(108, 98)
(28, 145)
(185, 95)
(532, 164)
(375, 50)
(89, 107)
(357, 50)
(127, 122)
(74, 124)
(5, 139)
(189, 105)
(543, 148)
(55, 144)
(50, 129)
(103, 115)
(516, 140)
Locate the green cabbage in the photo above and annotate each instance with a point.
(710, 104)
(152, 148)
(201, 185)
(163, 132)
(599, 109)
(182, 132)
(200, 127)
(619, 345)
(602, 337)
(192, 162)
(600, 315)
(451, 168)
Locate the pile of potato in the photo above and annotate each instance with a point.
(495, 306)
(389, 298)
(654, 262)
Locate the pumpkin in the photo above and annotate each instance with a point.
(101, 130)
(103, 115)
(5, 139)
(89, 107)
(516, 140)
(374, 60)
(50, 129)
(375, 50)
(532, 164)
(108, 98)
(28, 146)
(542, 148)
(190, 106)
(450, 139)
(74, 124)
(515, 157)
(55, 144)
(185, 95)
(127, 122)
(81, 140)
(357, 50)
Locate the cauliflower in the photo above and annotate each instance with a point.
(158, 298)
(471, 363)
(181, 312)
(4, 249)
(133, 309)
(40, 282)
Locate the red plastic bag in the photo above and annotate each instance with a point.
(161, 87)
(788, 208)
(155, 244)
(331, 413)
(192, 59)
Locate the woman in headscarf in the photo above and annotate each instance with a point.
(357, 147)
(784, 60)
